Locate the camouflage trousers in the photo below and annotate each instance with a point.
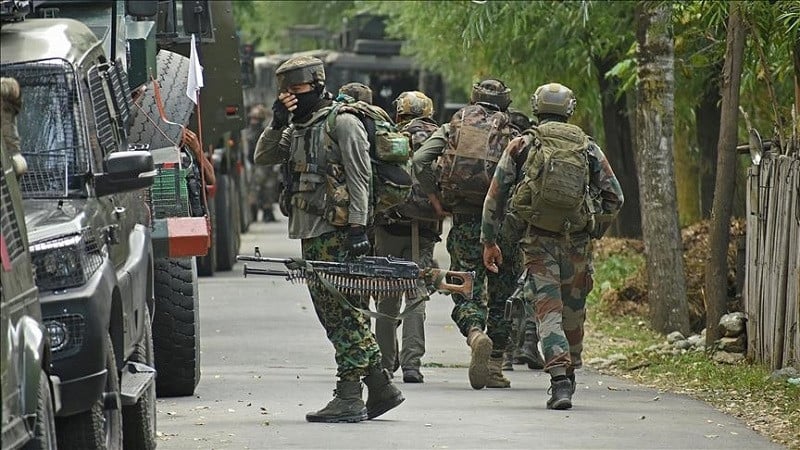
(487, 307)
(413, 325)
(559, 279)
(347, 329)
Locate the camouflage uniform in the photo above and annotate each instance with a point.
(394, 238)
(559, 269)
(264, 193)
(347, 329)
(483, 311)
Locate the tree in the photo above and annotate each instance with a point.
(655, 110)
(716, 279)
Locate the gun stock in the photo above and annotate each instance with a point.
(462, 284)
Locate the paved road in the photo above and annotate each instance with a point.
(266, 362)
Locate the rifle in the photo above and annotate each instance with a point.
(377, 276)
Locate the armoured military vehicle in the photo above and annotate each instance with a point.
(360, 53)
(30, 393)
(88, 227)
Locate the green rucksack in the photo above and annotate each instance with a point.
(389, 152)
(554, 192)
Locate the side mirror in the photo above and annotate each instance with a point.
(141, 8)
(125, 171)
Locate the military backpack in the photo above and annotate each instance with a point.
(389, 152)
(553, 194)
(477, 139)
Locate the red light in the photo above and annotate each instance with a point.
(231, 110)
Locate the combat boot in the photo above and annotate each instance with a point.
(481, 346)
(529, 353)
(346, 405)
(561, 389)
(496, 378)
(508, 361)
(382, 394)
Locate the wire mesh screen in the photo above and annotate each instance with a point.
(102, 113)
(50, 127)
(67, 261)
(169, 194)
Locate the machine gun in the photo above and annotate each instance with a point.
(376, 276)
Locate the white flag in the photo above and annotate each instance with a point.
(195, 73)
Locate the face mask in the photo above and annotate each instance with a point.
(305, 104)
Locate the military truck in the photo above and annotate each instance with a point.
(361, 53)
(221, 113)
(89, 229)
(31, 393)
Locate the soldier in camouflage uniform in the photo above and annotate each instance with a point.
(264, 193)
(322, 160)
(472, 316)
(559, 266)
(410, 233)
(357, 91)
(522, 347)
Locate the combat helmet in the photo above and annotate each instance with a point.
(553, 98)
(357, 91)
(491, 92)
(414, 103)
(300, 70)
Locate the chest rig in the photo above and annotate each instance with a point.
(318, 179)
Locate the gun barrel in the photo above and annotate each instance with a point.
(262, 259)
(260, 271)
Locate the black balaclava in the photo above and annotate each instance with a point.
(307, 103)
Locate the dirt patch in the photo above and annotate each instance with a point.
(631, 297)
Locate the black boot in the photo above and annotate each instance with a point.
(529, 353)
(382, 394)
(560, 391)
(346, 405)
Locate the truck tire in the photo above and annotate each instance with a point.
(176, 327)
(97, 428)
(44, 434)
(244, 210)
(173, 70)
(139, 420)
(206, 265)
(227, 223)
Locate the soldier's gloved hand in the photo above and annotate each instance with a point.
(280, 115)
(357, 241)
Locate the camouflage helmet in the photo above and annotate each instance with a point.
(491, 92)
(553, 98)
(519, 120)
(300, 70)
(413, 103)
(357, 91)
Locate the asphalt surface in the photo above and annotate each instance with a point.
(266, 362)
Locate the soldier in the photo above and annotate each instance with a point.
(575, 202)
(410, 234)
(522, 347)
(472, 142)
(322, 160)
(357, 91)
(265, 178)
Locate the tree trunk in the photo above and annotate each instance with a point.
(619, 149)
(707, 114)
(716, 282)
(655, 121)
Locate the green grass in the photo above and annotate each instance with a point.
(745, 390)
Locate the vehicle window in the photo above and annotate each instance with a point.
(10, 239)
(50, 129)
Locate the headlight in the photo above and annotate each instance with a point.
(66, 333)
(65, 262)
(58, 334)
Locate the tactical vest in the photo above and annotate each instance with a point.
(318, 179)
(478, 136)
